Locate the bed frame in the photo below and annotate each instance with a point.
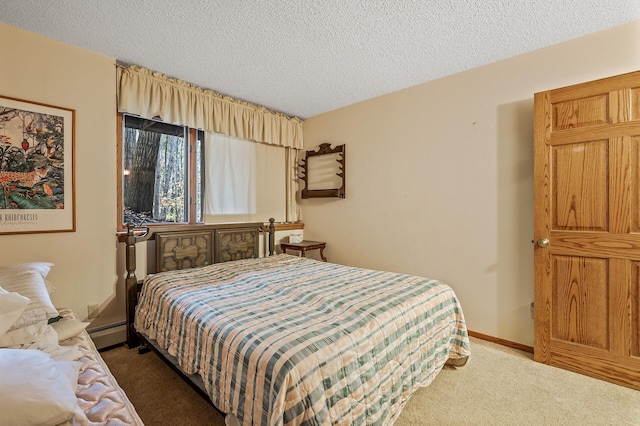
(189, 246)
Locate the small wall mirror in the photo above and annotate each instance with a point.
(323, 172)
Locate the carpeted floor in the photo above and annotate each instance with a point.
(498, 386)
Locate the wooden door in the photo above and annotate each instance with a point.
(587, 228)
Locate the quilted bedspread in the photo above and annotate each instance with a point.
(284, 340)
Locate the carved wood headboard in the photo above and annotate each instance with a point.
(190, 246)
(191, 249)
(183, 249)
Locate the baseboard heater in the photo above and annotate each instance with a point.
(109, 334)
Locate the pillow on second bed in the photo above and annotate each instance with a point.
(68, 328)
(36, 389)
(27, 335)
(11, 307)
(29, 280)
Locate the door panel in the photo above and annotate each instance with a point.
(580, 186)
(634, 192)
(578, 113)
(635, 100)
(581, 301)
(587, 205)
(635, 310)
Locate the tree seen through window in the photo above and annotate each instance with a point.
(156, 177)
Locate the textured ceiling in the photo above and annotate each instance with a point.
(305, 57)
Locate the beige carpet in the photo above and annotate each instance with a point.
(499, 386)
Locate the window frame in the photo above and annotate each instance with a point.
(192, 135)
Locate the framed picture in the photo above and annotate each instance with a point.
(37, 189)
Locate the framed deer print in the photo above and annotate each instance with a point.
(37, 189)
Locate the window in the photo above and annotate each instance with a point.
(161, 172)
(174, 174)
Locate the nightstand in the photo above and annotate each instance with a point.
(305, 246)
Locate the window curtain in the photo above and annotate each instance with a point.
(292, 207)
(151, 94)
(229, 177)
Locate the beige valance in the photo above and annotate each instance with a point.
(152, 94)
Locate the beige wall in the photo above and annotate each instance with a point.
(440, 177)
(43, 70)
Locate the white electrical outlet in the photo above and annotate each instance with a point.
(92, 311)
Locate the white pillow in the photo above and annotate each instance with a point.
(68, 328)
(36, 390)
(26, 335)
(11, 307)
(28, 280)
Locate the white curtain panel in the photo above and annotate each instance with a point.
(230, 181)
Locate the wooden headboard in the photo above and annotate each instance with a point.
(190, 246)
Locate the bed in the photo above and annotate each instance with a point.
(50, 370)
(286, 340)
(99, 395)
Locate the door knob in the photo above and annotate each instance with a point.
(542, 242)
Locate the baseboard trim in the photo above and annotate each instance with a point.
(502, 342)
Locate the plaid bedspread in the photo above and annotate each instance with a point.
(285, 340)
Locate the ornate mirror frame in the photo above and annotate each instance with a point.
(323, 149)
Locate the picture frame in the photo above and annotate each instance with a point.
(37, 167)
